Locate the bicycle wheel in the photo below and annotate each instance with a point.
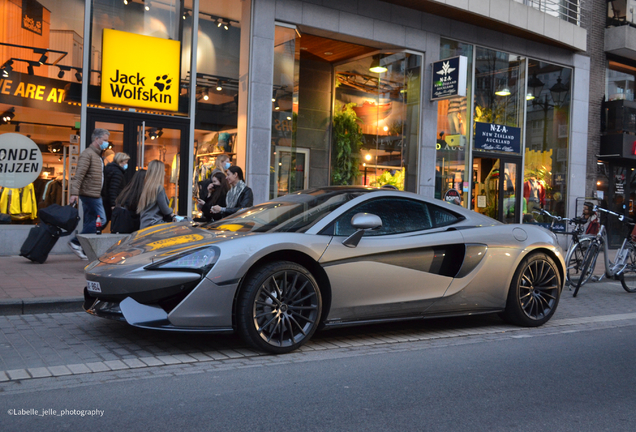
(628, 277)
(588, 266)
(574, 261)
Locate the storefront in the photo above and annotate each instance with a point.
(299, 95)
(503, 148)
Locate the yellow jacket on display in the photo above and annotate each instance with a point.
(19, 203)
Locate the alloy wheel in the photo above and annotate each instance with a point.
(538, 290)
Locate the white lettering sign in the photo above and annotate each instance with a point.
(20, 161)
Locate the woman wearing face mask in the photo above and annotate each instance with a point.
(114, 182)
(240, 195)
(216, 194)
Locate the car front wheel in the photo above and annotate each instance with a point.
(279, 307)
(534, 292)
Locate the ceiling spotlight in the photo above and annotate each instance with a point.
(126, 2)
(224, 23)
(206, 96)
(8, 115)
(147, 5)
(276, 106)
(219, 87)
(30, 69)
(186, 14)
(43, 59)
(6, 68)
(78, 76)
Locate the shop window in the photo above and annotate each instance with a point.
(376, 121)
(217, 94)
(40, 64)
(453, 129)
(547, 141)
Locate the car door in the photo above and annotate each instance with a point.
(397, 270)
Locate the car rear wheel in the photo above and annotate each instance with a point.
(534, 292)
(279, 307)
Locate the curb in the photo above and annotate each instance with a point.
(41, 305)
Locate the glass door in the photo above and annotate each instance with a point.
(146, 138)
(496, 188)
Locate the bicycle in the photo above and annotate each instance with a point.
(577, 245)
(625, 257)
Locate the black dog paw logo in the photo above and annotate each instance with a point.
(163, 83)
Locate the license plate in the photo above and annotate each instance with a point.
(94, 286)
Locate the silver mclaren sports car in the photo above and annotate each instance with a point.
(276, 272)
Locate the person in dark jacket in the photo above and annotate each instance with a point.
(240, 195)
(114, 182)
(125, 216)
(216, 195)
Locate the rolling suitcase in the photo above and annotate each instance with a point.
(39, 242)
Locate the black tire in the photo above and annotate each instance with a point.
(628, 277)
(279, 307)
(588, 266)
(574, 262)
(534, 292)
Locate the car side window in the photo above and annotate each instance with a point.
(398, 215)
(442, 217)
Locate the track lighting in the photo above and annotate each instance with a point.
(78, 75)
(6, 68)
(219, 87)
(126, 2)
(8, 115)
(206, 96)
(30, 69)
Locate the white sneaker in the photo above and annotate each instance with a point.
(77, 250)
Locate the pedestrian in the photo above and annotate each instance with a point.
(114, 182)
(221, 164)
(125, 216)
(216, 195)
(87, 185)
(240, 195)
(153, 206)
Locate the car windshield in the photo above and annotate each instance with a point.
(290, 213)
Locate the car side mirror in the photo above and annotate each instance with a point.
(362, 222)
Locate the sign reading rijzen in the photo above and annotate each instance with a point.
(20, 160)
(140, 71)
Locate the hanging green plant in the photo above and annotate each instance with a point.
(347, 140)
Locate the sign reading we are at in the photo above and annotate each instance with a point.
(140, 71)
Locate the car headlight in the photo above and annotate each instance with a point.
(202, 260)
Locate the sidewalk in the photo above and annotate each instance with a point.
(28, 287)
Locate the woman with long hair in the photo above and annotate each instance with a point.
(153, 205)
(125, 216)
(240, 195)
(216, 193)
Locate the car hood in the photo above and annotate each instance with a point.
(162, 241)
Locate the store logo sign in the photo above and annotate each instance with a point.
(20, 161)
(449, 78)
(132, 75)
(496, 137)
(32, 12)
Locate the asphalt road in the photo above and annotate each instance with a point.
(574, 378)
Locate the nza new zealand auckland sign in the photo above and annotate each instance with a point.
(132, 75)
(496, 137)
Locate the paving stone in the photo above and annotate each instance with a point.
(60, 370)
(116, 364)
(98, 367)
(17, 374)
(184, 358)
(40, 372)
(3, 376)
(152, 361)
(134, 363)
(168, 359)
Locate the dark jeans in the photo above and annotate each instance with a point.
(91, 208)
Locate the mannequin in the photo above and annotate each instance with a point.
(534, 193)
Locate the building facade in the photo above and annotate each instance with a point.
(304, 94)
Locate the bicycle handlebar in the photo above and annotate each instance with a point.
(620, 217)
(558, 218)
